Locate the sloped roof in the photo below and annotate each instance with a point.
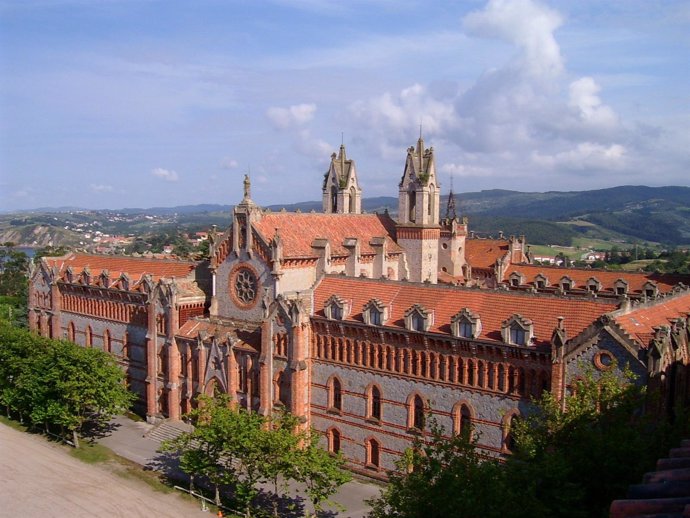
(492, 307)
(607, 278)
(299, 230)
(248, 339)
(640, 322)
(116, 265)
(483, 253)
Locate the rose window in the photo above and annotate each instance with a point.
(245, 286)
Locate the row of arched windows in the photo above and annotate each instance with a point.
(474, 372)
(417, 407)
(372, 448)
(106, 342)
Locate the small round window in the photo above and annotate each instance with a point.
(603, 360)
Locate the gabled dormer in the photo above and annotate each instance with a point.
(541, 281)
(466, 324)
(620, 287)
(85, 276)
(375, 313)
(593, 285)
(341, 191)
(516, 279)
(566, 283)
(650, 289)
(336, 308)
(69, 275)
(517, 330)
(418, 318)
(418, 201)
(104, 279)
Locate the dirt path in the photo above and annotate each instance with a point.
(40, 480)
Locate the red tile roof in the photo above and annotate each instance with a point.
(492, 307)
(116, 265)
(248, 339)
(483, 253)
(299, 230)
(607, 278)
(640, 322)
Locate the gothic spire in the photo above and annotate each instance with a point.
(450, 207)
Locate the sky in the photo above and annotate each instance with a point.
(142, 103)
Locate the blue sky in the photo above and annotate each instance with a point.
(140, 103)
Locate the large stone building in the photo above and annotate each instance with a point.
(361, 324)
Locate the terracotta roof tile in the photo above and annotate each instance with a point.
(483, 253)
(492, 307)
(248, 339)
(116, 265)
(640, 322)
(299, 230)
(607, 278)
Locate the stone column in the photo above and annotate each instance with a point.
(174, 366)
(266, 370)
(299, 383)
(151, 359)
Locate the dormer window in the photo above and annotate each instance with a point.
(69, 274)
(620, 287)
(541, 281)
(515, 279)
(650, 290)
(336, 308)
(517, 330)
(375, 313)
(466, 324)
(593, 285)
(417, 318)
(566, 283)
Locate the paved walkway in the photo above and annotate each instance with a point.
(39, 479)
(131, 440)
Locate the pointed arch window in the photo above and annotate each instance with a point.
(517, 330)
(88, 337)
(334, 438)
(335, 395)
(373, 454)
(106, 341)
(70, 332)
(462, 418)
(466, 324)
(417, 318)
(374, 405)
(334, 199)
(416, 409)
(412, 205)
(510, 420)
(353, 200)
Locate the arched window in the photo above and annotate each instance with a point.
(334, 440)
(334, 199)
(88, 337)
(412, 204)
(510, 420)
(106, 341)
(417, 413)
(462, 418)
(353, 200)
(374, 403)
(335, 395)
(373, 454)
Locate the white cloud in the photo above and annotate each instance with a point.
(229, 163)
(101, 188)
(296, 115)
(586, 156)
(165, 174)
(585, 100)
(525, 23)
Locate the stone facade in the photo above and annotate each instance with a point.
(359, 324)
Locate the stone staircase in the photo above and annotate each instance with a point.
(664, 493)
(168, 430)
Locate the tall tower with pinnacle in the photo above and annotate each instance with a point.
(451, 245)
(341, 191)
(418, 227)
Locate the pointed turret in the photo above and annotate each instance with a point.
(418, 200)
(341, 191)
(418, 228)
